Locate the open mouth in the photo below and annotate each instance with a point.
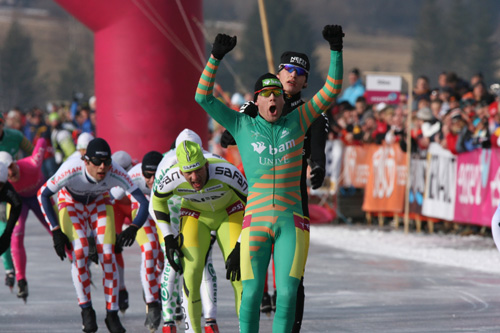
(272, 110)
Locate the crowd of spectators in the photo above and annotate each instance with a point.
(458, 114)
(59, 124)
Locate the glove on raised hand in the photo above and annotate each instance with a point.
(317, 176)
(223, 44)
(233, 270)
(171, 248)
(334, 34)
(61, 241)
(127, 236)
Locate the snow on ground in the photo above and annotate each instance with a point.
(473, 252)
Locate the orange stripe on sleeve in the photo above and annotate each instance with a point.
(205, 82)
(204, 92)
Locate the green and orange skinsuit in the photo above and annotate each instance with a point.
(272, 159)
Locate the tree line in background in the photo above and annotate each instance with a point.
(457, 38)
(21, 84)
(453, 36)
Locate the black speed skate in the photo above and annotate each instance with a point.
(113, 322)
(123, 300)
(273, 301)
(23, 289)
(10, 280)
(153, 316)
(89, 322)
(265, 305)
(179, 315)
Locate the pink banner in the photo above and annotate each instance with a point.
(476, 190)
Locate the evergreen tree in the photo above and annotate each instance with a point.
(288, 30)
(18, 70)
(458, 38)
(461, 41)
(429, 44)
(481, 48)
(76, 77)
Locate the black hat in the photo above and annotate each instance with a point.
(266, 81)
(150, 161)
(98, 148)
(296, 59)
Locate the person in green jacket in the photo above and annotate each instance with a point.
(271, 150)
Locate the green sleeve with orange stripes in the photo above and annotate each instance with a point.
(326, 95)
(224, 115)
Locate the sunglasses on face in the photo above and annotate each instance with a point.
(148, 175)
(291, 68)
(98, 161)
(267, 92)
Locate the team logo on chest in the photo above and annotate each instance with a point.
(258, 146)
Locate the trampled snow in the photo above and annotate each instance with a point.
(472, 252)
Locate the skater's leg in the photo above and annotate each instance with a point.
(17, 244)
(196, 240)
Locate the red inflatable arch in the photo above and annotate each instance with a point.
(149, 55)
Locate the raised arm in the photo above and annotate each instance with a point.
(204, 93)
(333, 85)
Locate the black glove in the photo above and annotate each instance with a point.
(127, 236)
(61, 241)
(171, 248)
(226, 139)
(118, 247)
(93, 255)
(250, 109)
(317, 176)
(333, 34)
(223, 44)
(233, 271)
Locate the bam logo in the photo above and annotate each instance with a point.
(258, 146)
(281, 148)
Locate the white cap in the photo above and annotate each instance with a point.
(6, 158)
(12, 114)
(188, 135)
(83, 140)
(237, 99)
(92, 101)
(4, 173)
(123, 159)
(380, 107)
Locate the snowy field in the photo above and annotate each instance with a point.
(471, 252)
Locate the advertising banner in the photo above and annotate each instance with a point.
(385, 189)
(355, 166)
(440, 185)
(418, 171)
